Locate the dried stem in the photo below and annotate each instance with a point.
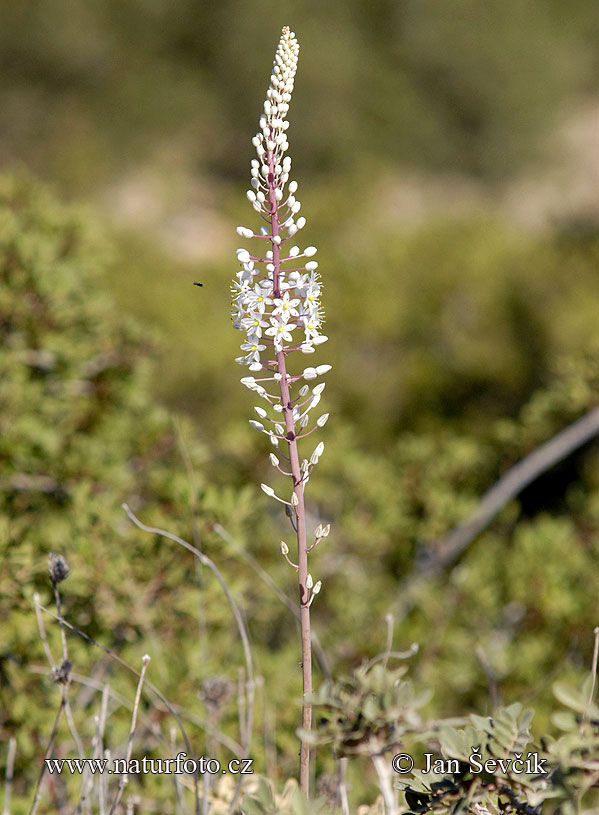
(50, 745)
(342, 786)
(246, 736)
(171, 709)
(585, 715)
(383, 771)
(125, 776)
(8, 778)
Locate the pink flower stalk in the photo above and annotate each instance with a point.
(276, 302)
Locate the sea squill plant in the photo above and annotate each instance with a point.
(276, 302)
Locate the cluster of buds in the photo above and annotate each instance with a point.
(276, 294)
(319, 533)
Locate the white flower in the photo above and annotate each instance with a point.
(280, 332)
(253, 324)
(252, 349)
(284, 307)
(273, 295)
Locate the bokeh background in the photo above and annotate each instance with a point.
(448, 162)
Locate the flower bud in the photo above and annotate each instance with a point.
(268, 490)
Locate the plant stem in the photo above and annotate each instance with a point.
(298, 487)
(383, 770)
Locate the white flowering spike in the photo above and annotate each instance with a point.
(276, 304)
(278, 308)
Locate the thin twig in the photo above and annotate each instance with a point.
(65, 652)
(413, 649)
(490, 674)
(383, 771)
(510, 485)
(63, 636)
(178, 790)
(247, 735)
(193, 509)
(389, 646)
(270, 754)
(38, 786)
(9, 775)
(449, 549)
(593, 673)
(342, 786)
(42, 631)
(171, 709)
(124, 779)
(100, 746)
(234, 608)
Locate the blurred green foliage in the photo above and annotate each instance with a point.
(81, 433)
(458, 346)
(87, 89)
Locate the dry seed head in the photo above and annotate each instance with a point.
(216, 692)
(58, 568)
